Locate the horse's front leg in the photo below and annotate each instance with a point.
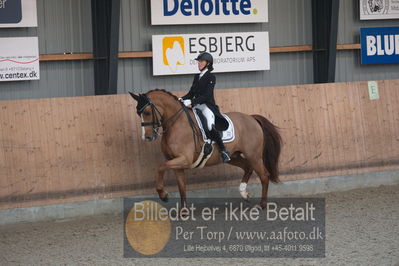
(176, 163)
(181, 182)
(160, 187)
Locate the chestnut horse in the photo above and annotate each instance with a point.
(256, 146)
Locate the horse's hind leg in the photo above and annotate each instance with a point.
(244, 165)
(263, 174)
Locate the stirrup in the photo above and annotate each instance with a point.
(225, 156)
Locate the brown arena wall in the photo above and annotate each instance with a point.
(60, 150)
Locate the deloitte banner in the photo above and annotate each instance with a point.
(380, 45)
(232, 52)
(19, 59)
(18, 13)
(167, 12)
(379, 9)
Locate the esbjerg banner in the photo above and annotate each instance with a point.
(379, 45)
(19, 59)
(232, 52)
(18, 13)
(168, 12)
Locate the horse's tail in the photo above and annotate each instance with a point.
(272, 146)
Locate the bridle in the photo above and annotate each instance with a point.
(157, 120)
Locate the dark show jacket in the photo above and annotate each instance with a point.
(202, 92)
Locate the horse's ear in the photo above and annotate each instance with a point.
(136, 97)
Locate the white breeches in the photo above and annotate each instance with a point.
(210, 117)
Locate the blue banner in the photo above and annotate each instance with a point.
(380, 45)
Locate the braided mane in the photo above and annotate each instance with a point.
(165, 91)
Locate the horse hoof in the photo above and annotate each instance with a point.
(258, 207)
(263, 204)
(249, 196)
(166, 198)
(184, 212)
(245, 195)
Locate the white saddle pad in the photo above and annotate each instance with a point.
(228, 135)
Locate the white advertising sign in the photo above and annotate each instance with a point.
(19, 59)
(168, 12)
(379, 9)
(18, 13)
(232, 52)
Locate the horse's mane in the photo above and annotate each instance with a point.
(165, 91)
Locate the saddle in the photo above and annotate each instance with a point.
(228, 135)
(207, 149)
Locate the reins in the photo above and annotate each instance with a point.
(156, 122)
(196, 134)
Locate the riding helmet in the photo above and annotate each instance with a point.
(206, 57)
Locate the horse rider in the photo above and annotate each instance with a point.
(201, 97)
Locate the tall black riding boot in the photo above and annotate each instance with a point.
(216, 136)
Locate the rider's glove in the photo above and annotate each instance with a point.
(187, 103)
